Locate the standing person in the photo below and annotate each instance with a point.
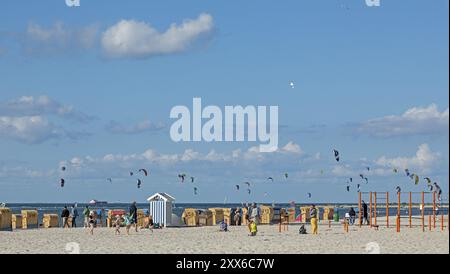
(91, 222)
(86, 213)
(237, 217)
(313, 215)
(133, 215)
(74, 213)
(117, 224)
(365, 219)
(254, 215)
(253, 228)
(352, 215)
(65, 214)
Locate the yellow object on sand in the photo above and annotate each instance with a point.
(253, 228)
(314, 225)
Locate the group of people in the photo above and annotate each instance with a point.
(69, 219)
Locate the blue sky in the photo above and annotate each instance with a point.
(371, 82)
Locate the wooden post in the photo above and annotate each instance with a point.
(375, 208)
(398, 223)
(279, 228)
(423, 211)
(429, 222)
(370, 209)
(410, 209)
(387, 209)
(434, 210)
(398, 205)
(359, 209)
(442, 222)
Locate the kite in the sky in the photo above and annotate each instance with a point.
(367, 180)
(395, 170)
(348, 188)
(144, 171)
(407, 173)
(247, 183)
(362, 176)
(428, 180)
(270, 179)
(286, 175)
(292, 84)
(62, 181)
(359, 187)
(309, 195)
(416, 179)
(109, 180)
(139, 183)
(368, 168)
(195, 191)
(351, 180)
(398, 189)
(131, 173)
(336, 155)
(63, 168)
(249, 191)
(237, 187)
(182, 177)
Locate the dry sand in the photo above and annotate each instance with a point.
(210, 240)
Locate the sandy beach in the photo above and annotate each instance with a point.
(209, 240)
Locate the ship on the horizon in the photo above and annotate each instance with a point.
(98, 203)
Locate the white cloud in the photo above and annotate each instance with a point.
(144, 126)
(423, 161)
(41, 105)
(417, 120)
(29, 129)
(292, 148)
(58, 39)
(133, 39)
(25, 119)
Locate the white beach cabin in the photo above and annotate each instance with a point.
(161, 208)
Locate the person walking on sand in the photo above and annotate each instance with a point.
(117, 224)
(91, 222)
(74, 214)
(133, 215)
(86, 213)
(365, 219)
(65, 217)
(313, 215)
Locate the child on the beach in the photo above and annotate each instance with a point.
(223, 226)
(253, 228)
(91, 222)
(117, 224)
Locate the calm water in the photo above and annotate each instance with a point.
(179, 208)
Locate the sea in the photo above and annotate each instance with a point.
(178, 208)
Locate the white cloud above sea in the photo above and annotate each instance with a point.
(414, 121)
(135, 39)
(27, 120)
